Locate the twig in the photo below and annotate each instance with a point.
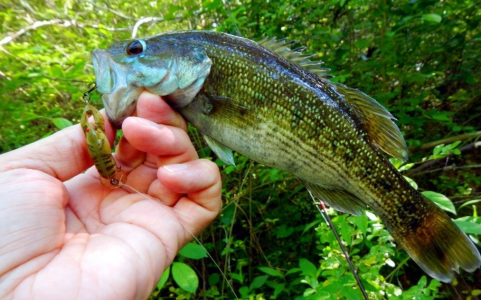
(119, 14)
(449, 168)
(22, 31)
(57, 22)
(66, 79)
(143, 21)
(426, 165)
(451, 140)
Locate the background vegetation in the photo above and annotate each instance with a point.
(419, 58)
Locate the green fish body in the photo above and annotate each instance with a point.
(275, 106)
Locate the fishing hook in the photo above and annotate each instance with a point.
(86, 95)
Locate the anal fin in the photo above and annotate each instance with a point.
(338, 199)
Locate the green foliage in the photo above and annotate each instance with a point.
(418, 58)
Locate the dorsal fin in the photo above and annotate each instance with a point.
(282, 47)
(378, 122)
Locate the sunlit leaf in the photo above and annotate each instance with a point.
(61, 123)
(441, 201)
(433, 18)
(468, 226)
(469, 203)
(164, 278)
(193, 251)
(308, 268)
(185, 277)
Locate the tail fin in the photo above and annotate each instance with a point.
(438, 246)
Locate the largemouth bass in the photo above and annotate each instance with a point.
(277, 107)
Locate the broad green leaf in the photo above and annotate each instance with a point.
(270, 271)
(227, 215)
(468, 227)
(441, 200)
(435, 18)
(164, 278)
(361, 223)
(258, 282)
(193, 251)
(61, 123)
(214, 278)
(185, 277)
(278, 288)
(350, 293)
(308, 268)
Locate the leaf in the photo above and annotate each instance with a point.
(308, 268)
(434, 18)
(185, 277)
(411, 182)
(61, 123)
(469, 203)
(258, 282)
(441, 200)
(193, 251)
(270, 271)
(361, 223)
(283, 231)
(164, 278)
(350, 293)
(468, 227)
(214, 278)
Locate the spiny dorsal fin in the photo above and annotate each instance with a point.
(378, 122)
(283, 48)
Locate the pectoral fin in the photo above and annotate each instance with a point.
(338, 199)
(225, 154)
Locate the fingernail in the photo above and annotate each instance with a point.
(175, 167)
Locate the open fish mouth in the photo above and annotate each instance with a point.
(119, 98)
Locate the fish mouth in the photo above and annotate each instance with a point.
(119, 98)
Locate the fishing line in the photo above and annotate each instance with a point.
(319, 204)
(228, 8)
(186, 229)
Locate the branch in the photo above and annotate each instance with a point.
(451, 140)
(58, 22)
(143, 21)
(119, 14)
(420, 170)
(449, 168)
(22, 31)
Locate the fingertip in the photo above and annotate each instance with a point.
(154, 108)
(199, 179)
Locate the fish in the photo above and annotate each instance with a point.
(278, 107)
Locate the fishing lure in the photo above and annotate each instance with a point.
(98, 146)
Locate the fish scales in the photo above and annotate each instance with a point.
(272, 105)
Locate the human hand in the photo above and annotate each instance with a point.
(66, 237)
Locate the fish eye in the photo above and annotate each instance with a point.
(135, 47)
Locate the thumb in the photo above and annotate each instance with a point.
(61, 155)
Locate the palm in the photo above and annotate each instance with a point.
(80, 240)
